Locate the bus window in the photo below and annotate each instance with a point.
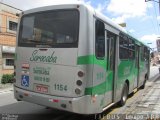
(146, 54)
(131, 47)
(100, 40)
(123, 47)
(50, 29)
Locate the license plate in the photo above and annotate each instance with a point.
(42, 88)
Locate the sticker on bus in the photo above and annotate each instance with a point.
(25, 81)
(25, 66)
(41, 88)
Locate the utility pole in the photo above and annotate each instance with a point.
(156, 2)
(159, 6)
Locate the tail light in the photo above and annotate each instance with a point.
(80, 74)
(77, 91)
(79, 82)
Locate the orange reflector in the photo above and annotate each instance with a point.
(56, 101)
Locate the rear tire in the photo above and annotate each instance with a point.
(143, 86)
(124, 95)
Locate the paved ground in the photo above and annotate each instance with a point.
(154, 70)
(6, 88)
(149, 103)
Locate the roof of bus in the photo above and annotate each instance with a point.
(58, 5)
(90, 9)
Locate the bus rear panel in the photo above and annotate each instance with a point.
(47, 70)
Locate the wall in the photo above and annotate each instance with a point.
(7, 35)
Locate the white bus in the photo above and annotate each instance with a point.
(72, 58)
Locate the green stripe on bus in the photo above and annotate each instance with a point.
(102, 87)
(91, 59)
(99, 89)
(107, 84)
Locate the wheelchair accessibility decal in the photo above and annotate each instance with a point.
(25, 81)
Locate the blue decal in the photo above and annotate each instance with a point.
(25, 81)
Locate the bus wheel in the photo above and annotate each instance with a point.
(143, 86)
(124, 95)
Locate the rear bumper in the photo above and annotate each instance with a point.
(81, 105)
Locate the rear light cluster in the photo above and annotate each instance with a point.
(80, 74)
(78, 91)
(79, 82)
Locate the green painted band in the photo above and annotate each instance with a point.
(91, 59)
(99, 89)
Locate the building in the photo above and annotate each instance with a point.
(8, 28)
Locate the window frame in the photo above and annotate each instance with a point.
(5, 66)
(8, 25)
(13, 24)
(97, 42)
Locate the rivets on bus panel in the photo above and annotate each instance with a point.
(79, 82)
(80, 74)
(77, 91)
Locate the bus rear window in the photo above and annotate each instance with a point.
(58, 28)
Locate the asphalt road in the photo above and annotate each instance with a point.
(9, 107)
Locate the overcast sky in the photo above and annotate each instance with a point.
(142, 18)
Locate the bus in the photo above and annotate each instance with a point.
(71, 57)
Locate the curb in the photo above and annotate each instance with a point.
(153, 79)
(7, 87)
